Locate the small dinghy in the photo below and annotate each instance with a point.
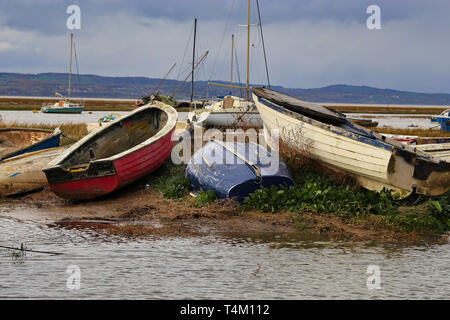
(375, 161)
(235, 170)
(23, 174)
(17, 141)
(117, 154)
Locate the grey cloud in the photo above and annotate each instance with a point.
(310, 43)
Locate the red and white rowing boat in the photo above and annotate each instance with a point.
(116, 155)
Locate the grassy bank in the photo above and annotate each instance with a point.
(21, 104)
(71, 132)
(326, 204)
(395, 110)
(414, 132)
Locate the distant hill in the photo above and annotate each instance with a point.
(94, 86)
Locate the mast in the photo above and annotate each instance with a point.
(232, 56)
(247, 87)
(70, 68)
(193, 60)
(248, 52)
(187, 77)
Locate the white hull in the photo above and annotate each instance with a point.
(373, 166)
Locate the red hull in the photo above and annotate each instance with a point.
(129, 168)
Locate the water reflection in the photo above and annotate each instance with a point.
(270, 266)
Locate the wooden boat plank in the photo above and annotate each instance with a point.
(117, 154)
(24, 172)
(406, 168)
(298, 105)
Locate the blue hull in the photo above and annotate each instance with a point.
(47, 143)
(234, 170)
(443, 121)
(63, 110)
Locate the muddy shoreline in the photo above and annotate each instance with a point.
(138, 212)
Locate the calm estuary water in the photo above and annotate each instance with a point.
(238, 267)
(391, 120)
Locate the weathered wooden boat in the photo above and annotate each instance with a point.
(368, 123)
(120, 152)
(234, 170)
(23, 173)
(328, 137)
(443, 119)
(17, 141)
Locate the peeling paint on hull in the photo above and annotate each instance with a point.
(132, 147)
(374, 161)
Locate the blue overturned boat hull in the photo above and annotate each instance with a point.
(52, 141)
(235, 170)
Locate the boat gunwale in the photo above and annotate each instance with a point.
(56, 133)
(389, 144)
(166, 129)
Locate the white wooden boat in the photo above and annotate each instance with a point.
(328, 137)
(23, 173)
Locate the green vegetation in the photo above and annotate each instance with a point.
(172, 181)
(205, 197)
(325, 194)
(166, 99)
(314, 192)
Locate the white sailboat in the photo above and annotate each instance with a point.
(64, 106)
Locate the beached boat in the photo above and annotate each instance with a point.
(23, 173)
(120, 152)
(234, 170)
(443, 119)
(17, 141)
(368, 123)
(328, 137)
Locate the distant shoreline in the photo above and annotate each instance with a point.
(58, 98)
(115, 104)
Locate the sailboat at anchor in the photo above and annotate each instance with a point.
(64, 106)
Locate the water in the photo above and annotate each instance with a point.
(399, 121)
(27, 117)
(237, 267)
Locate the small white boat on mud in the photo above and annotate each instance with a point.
(23, 173)
(329, 137)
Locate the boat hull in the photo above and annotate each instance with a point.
(23, 173)
(127, 170)
(62, 110)
(105, 175)
(51, 141)
(235, 170)
(375, 163)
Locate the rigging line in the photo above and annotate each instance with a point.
(78, 73)
(262, 39)
(237, 68)
(184, 55)
(222, 41)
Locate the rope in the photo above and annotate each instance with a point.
(22, 248)
(78, 73)
(262, 39)
(222, 41)
(184, 55)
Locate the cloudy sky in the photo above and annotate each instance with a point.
(310, 43)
